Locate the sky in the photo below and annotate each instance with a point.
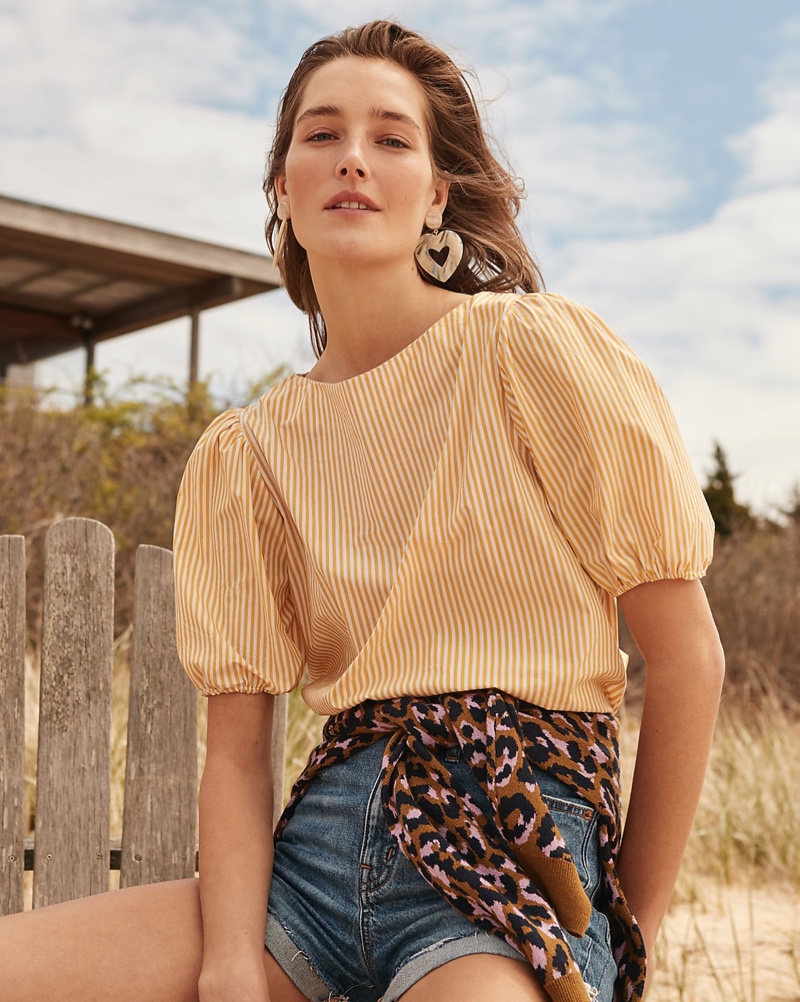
(659, 143)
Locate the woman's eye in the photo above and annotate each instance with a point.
(318, 137)
(394, 142)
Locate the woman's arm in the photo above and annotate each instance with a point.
(672, 626)
(236, 847)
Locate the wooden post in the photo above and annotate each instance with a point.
(90, 374)
(159, 819)
(12, 721)
(72, 801)
(194, 346)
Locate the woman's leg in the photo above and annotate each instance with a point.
(141, 944)
(479, 977)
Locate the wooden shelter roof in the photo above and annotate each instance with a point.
(69, 280)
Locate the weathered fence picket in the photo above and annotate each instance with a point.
(158, 821)
(71, 853)
(74, 756)
(12, 720)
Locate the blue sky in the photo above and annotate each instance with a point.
(659, 141)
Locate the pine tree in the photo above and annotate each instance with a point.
(728, 514)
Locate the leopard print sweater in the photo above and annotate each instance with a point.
(510, 873)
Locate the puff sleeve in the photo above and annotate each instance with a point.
(604, 444)
(233, 605)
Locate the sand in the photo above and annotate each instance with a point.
(733, 944)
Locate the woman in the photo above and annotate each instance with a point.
(430, 531)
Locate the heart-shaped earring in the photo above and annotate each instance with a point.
(439, 253)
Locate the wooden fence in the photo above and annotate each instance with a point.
(71, 852)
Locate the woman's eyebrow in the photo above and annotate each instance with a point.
(334, 111)
(394, 116)
(320, 111)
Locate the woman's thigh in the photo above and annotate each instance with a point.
(142, 944)
(478, 978)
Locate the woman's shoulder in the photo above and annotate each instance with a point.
(223, 429)
(534, 309)
(543, 322)
(235, 424)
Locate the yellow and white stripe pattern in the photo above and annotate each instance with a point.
(460, 517)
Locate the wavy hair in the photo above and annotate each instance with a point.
(483, 200)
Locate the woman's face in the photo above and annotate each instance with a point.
(359, 184)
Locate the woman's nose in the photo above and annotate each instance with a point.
(353, 162)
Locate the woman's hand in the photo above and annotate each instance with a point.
(240, 979)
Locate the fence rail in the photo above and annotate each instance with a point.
(71, 852)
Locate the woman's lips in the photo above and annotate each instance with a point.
(352, 205)
(351, 200)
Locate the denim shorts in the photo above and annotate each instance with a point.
(350, 917)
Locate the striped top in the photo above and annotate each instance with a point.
(460, 517)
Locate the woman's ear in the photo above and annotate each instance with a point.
(433, 217)
(441, 191)
(282, 195)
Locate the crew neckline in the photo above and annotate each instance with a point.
(466, 305)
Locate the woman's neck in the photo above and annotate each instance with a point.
(371, 315)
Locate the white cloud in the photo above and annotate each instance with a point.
(102, 47)
(584, 177)
(770, 150)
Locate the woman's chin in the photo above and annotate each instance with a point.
(352, 254)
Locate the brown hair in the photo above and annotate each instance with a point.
(483, 200)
